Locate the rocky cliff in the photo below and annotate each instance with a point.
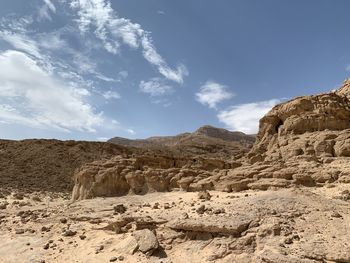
(309, 127)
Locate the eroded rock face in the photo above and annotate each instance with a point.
(120, 176)
(309, 126)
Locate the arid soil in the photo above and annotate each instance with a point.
(286, 225)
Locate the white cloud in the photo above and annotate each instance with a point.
(122, 75)
(131, 131)
(155, 87)
(160, 12)
(44, 11)
(50, 5)
(102, 139)
(114, 31)
(21, 42)
(212, 93)
(111, 95)
(52, 41)
(39, 99)
(245, 117)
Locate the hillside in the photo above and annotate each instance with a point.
(207, 141)
(49, 164)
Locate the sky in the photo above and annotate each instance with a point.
(95, 69)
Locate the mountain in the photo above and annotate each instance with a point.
(207, 141)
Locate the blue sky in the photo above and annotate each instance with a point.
(94, 69)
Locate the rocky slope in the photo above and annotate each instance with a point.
(207, 141)
(49, 164)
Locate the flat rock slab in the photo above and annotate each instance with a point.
(234, 225)
(128, 245)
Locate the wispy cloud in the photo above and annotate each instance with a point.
(111, 95)
(41, 99)
(155, 87)
(212, 93)
(245, 117)
(21, 42)
(45, 9)
(114, 31)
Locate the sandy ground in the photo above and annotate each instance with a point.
(285, 225)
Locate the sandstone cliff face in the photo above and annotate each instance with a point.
(309, 126)
(145, 174)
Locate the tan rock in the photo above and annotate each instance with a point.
(146, 240)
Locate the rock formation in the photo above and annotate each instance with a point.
(304, 141)
(310, 126)
(144, 174)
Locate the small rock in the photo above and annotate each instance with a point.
(18, 196)
(46, 246)
(113, 259)
(45, 229)
(201, 209)
(69, 233)
(82, 237)
(3, 205)
(288, 240)
(36, 198)
(184, 215)
(19, 231)
(205, 195)
(119, 209)
(219, 211)
(121, 258)
(336, 214)
(63, 220)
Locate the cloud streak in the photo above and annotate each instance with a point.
(44, 11)
(155, 87)
(114, 31)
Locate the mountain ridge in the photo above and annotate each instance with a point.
(206, 140)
